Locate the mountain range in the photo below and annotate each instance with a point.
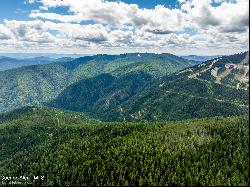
(37, 55)
(193, 92)
(7, 63)
(34, 85)
(133, 87)
(200, 58)
(131, 119)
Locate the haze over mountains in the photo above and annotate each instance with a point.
(36, 55)
(10, 63)
(200, 58)
(15, 60)
(7, 63)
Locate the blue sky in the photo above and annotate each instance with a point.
(19, 9)
(15, 9)
(178, 26)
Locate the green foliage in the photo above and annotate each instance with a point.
(128, 87)
(100, 94)
(16, 113)
(70, 149)
(34, 85)
(190, 93)
(156, 66)
(181, 98)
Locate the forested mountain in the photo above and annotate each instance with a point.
(90, 94)
(14, 114)
(101, 94)
(11, 63)
(232, 71)
(128, 87)
(34, 85)
(154, 65)
(194, 92)
(65, 148)
(60, 147)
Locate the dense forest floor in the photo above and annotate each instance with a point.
(53, 147)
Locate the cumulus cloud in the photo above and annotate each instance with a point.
(197, 24)
(200, 13)
(116, 14)
(5, 33)
(227, 14)
(30, 31)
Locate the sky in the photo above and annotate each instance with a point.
(182, 27)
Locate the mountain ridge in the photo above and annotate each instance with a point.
(34, 85)
(199, 58)
(172, 97)
(8, 63)
(166, 91)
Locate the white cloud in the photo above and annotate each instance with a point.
(228, 14)
(116, 14)
(159, 20)
(30, 31)
(5, 33)
(117, 25)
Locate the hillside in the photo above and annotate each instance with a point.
(34, 85)
(65, 148)
(155, 65)
(232, 71)
(190, 93)
(100, 94)
(182, 99)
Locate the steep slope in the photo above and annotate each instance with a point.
(65, 148)
(31, 85)
(100, 94)
(34, 85)
(192, 93)
(231, 70)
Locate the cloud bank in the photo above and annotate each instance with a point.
(98, 26)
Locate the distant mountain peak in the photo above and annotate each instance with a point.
(200, 58)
